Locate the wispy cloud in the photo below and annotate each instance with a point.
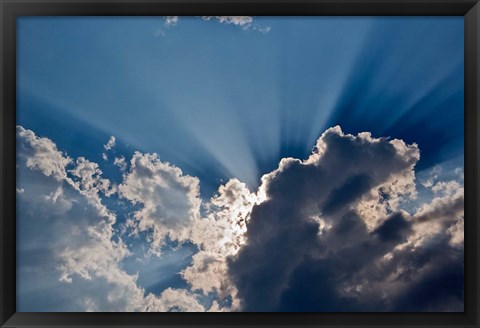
(108, 146)
(171, 21)
(244, 22)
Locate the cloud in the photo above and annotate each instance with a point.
(220, 235)
(242, 21)
(169, 200)
(89, 178)
(69, 258)
(331, 234)
(443, 215)
(110, 144)
(41, 154)
(171, 21)
(121, 163)
(170, 207)
(245, 22)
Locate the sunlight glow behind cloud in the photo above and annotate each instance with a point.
(207, 170)
(302, 207)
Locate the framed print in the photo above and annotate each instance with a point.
(239, 163)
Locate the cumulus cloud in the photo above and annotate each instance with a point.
(68, 257)
(89, 178)
(443, 215)
(169, 200)
(334, 232)
(220, 235)
(331, 234)
(41, 154)
(170, 207)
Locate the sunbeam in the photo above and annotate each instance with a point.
(305, 164)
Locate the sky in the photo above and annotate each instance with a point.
(236, 163)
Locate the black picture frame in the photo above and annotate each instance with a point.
(10, 10)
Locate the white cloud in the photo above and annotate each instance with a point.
(110, 144)
(242, 21)
(457, 232)
(90, 181)
(444, 213)
(171, 207)
(219, 235)
(339, 210)
(121, 163)
(245, 22)
(42, 154)
(446, 187)
(171, 21)
(68, 258)
(170, 200)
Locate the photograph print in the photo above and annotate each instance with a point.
(240, 164)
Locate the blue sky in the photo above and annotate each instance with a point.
(220, 100)
(213, 92)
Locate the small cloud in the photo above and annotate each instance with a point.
(121, 163)
(245, 22)
(110, 144)
(171, 21)
(427, 183)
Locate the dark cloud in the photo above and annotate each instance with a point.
(441, 289)
(354, 187)
(321, 296)
(394, 229)
(324, 234)
(308, 248)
